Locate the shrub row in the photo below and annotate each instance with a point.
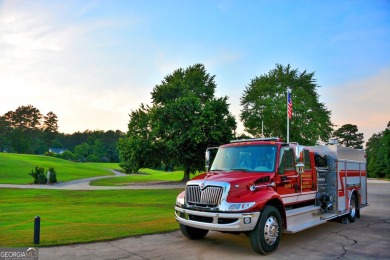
(40, 177)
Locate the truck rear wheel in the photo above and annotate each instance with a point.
(352, 209)
(193, 233)
(265, 238)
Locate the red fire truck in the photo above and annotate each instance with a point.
(266, 187)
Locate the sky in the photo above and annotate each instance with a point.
(93, 62)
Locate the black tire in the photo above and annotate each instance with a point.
(193, 233)
(265, 238)
(352, 209)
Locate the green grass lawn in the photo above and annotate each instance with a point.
(15, 168)
(83, 216)
(106, 166)
(147, 175)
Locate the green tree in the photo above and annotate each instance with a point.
(50, 128)
(137, 149)
(20, 141)
(264, 100)
(5, 135)
(188, 117)
(184, 119)
(28, 119)
(98, 149)
(378, 154)
(372, 149)
(24, 129)
(18, 138)
(348, 135)
(110, 140)
(384, 153)
(82, 151)
(67, 155)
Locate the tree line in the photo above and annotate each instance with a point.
(92, 146)
(378, 154)
(26, 130)
(185, 117)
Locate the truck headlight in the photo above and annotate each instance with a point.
(180, 198)
(180, 201)
(239, 206)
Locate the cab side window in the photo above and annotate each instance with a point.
(286, 160)
(306, 159)
(289, 159)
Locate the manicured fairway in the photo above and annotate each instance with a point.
(148, 175)
(83, 216)
(14, 168)
(106, 166)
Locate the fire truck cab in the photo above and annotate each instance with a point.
(265, 187)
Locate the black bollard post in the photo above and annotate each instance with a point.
(37, 229)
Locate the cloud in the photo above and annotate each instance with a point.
(57, 61)
(363, 102)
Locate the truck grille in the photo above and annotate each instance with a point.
(209, 196)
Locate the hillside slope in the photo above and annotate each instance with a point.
(15, 168)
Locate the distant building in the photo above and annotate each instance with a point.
(57, 150)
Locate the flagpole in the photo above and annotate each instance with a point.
(288, 119)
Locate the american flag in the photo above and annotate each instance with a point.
(289, 104)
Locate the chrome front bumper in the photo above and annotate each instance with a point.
(228, 222)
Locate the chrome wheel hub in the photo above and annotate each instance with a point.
(271, 230)
(352, 208)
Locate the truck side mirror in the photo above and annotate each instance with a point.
(300, 167)
(209, 157)
(207, 160)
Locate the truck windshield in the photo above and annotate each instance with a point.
(251, 158)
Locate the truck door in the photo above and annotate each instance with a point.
(287, 177)
(292, 186)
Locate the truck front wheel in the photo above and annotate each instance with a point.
(266, 236)
(193, 233)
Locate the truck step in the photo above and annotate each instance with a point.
(302, 226)
(328, 216)
(303, 218)
(293, 212)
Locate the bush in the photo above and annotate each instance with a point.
(68, 155)
(51, 154)
(38, 173)
(128, 167)
(104, 159)
(92, 158)
(53, 176)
